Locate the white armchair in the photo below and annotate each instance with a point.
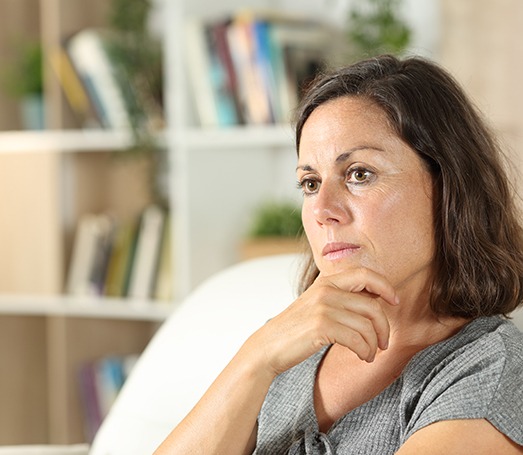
(190, 349)
(187, 353)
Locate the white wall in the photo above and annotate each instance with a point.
(518, 318)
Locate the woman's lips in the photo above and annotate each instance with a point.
(338, 250)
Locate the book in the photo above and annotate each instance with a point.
(299, 54)
(109, 378)
(73, 88)
(199, 68)
(164, 286)
(266, 50)
(99, 382)
(146, 256)
(252, 67)
(120, 260)
(102, 252)
(89, 255)
(89, 397)
(251, 86)
(131, 254)
(221, 47)
(89, 57)
(223, 96)
(213, 79)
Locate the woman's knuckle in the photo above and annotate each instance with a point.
(368, 326)
(356, 340)
(375, 306)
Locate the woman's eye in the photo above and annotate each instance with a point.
(359, 176)
(309, 186)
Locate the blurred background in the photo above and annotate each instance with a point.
(147, 144)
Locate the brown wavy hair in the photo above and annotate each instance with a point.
(479, 239)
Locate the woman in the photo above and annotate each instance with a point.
(397, 343)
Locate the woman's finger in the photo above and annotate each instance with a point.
(351, 289)
(363, 280)
(355, 312)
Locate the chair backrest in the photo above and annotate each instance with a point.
(191, 348)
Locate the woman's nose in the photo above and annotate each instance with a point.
(331, 205)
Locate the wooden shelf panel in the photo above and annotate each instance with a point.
(88, 307)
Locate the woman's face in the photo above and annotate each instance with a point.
(367, 195)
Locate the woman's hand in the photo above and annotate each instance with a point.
(346, 308)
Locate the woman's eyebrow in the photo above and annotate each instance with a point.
(305, 167)
(346, 155)
(343, 157)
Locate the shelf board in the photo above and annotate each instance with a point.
(64, 140)
(277, 136)
(85, 307)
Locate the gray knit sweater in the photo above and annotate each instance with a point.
(476, 374)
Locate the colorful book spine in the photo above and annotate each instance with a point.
(147, 253)
(89, 56)
(100, 382)
(131, 259)
(251, 68)
(89, 255)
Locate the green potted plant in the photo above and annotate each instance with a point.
(137, 56)
(276, 228)
(376, 27)
(23, 80)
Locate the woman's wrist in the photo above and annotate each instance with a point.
(254, 362)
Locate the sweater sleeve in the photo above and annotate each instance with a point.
(505, 411)
(483, 383)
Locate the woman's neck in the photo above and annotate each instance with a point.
(415, 326)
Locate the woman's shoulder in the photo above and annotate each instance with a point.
(476, 374)
(512, 339)
(482, 341)
(488, 349)
(488, 341)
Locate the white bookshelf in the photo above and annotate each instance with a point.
(49, 178)
(216, 178)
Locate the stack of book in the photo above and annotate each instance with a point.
(100, 382)
(252, 68)
(122, 260)
(98, 86)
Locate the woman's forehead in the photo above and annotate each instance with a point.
(351, 122)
